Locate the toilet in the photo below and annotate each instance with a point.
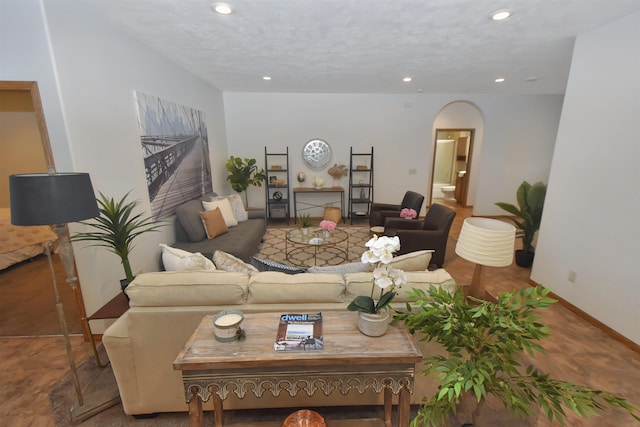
(448, 191)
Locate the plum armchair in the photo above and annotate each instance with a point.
(380, 211)
(431, 232)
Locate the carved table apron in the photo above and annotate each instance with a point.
(349, 360)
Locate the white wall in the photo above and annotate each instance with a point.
(516, 142)
(590, 222)
(94, 120)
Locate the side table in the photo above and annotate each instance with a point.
(113, 309)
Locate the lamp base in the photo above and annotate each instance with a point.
(477, 287)
(97, 403)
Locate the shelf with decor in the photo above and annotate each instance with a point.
(360, 184)
(278, 204)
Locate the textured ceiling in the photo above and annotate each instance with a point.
(368, 46)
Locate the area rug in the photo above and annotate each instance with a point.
(275, 248)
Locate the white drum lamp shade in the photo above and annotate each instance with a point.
(485, 242)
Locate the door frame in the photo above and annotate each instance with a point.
(465, 189)
(32, 88)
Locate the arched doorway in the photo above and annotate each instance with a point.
(457, 130)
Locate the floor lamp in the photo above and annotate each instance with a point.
(485, 241)
(57, 199)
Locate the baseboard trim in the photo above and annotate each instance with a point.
(595, 322)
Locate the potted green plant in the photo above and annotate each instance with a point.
(117, 226)
(486, 343)
(243, 173)
(527, 219)
(305, 223)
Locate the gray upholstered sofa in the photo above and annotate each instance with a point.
(241, 240)
(166, 307)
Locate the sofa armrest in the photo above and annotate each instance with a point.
(256, 213)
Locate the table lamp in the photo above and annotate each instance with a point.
(56, 199)
(485, 242)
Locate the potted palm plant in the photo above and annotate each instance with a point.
(528, 215)
(116, 228)
(305, 223)
(486, 343)
(243, 173)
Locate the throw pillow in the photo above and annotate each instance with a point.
(228, 262)
(225, 208)
(237, 205)
(214, 223)
(175, 259)
(413, 261)
(266, 265)
(352, 267)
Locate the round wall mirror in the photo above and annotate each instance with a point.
(316, 154)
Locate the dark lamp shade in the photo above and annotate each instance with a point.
(48, 199)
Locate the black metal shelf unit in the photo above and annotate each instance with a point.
(360, 184)
(277, 185)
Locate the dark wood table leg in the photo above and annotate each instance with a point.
(195, 410)
(404, 407)
(217, 410)
(387, 407)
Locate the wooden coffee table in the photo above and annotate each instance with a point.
(349, 360)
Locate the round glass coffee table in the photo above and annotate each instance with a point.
(302, 248)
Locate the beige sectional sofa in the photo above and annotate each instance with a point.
(166, 307)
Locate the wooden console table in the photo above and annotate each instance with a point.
(349, 360)
(311, 191)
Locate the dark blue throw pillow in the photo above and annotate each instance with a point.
(266, 265)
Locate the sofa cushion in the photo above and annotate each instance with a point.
(266, 265)
(360, 283)
(228, 262)
(274, 287)
(188, 214)
(225, 208)
(351, 267)
(237, 205)
(188, 288)
(413, 261)
(174, 259)
(213, 222)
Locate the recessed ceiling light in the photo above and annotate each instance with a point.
(266, 78)
(501, 15)
(222, 8)
(499, 80)
(407, 79)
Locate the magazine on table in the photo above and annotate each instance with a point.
(299, 332)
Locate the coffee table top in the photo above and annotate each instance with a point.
(316, 237)
(343, 343)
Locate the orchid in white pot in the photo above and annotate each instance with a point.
(385, 279)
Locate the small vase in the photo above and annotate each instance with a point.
(304, 231)
(374, 324)
(326, 234)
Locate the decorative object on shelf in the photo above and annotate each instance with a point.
(278, 182)
(385, 277)
(117, 227)
(57, 199)
(408, 213)
(485, 241)
(276, 168)
(530, 202)
(486, 343)
(243, 173)
(361, 168)
(302, 177)
(337, 171)
(277, 195)
(316, 154)
(318, 182)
